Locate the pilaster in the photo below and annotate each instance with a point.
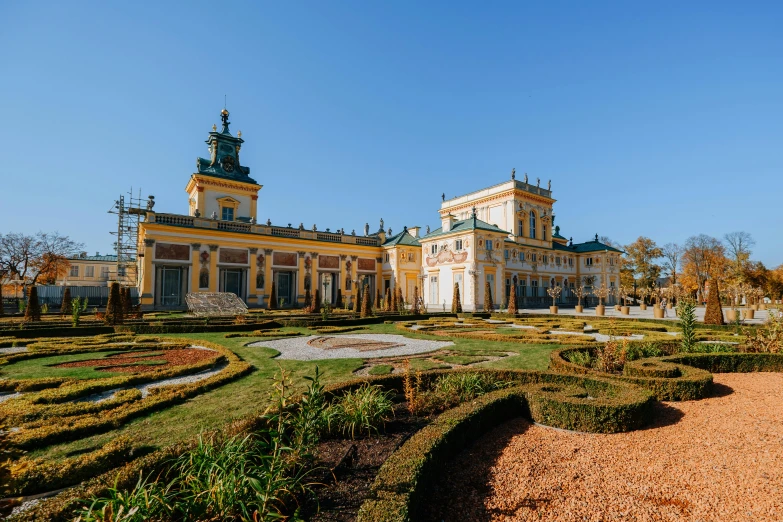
(195, 266)
(251, 282)
(213, 269)
(267, 276)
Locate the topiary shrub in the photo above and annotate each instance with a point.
(33, 311)
(387, 305)
(488, 304)
(308, 300)
(378, 299)
(415, 307)
(113, 313)
(339, 301)
(272, 304)
(395, 305)
(456, 301)
(714, 313)
(366, 308)
(316, 307)
(66, 306)
(512, 300)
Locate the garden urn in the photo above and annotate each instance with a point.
(579, 309)
(600, 310)
(625, 310)
(552, 309)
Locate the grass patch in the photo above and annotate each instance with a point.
(381, 369)
(460, 359)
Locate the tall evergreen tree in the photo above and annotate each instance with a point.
(33, 310)
(66, 306)
(400, 298)
(366, 308)
(456, 301)
(387, 302)
(489, 306)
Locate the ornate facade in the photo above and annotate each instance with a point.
(502, 234)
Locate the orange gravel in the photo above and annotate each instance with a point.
(718, 459)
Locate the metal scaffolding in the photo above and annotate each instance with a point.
(129, 211)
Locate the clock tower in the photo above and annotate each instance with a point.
(222, 188)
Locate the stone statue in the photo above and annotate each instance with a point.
(381, 224)
(252, 220)
(353, 232)
(301, 226)
(514, 173)
(443, 197)
(315, 228)
(214, 215)
(526, 178)
(366, 229)
(428, 229)
(213, 153)
(549, 185)
(389, 232)
(214, 128)
(238, 154)
(269, 222)
(538, 182)
(197, 213)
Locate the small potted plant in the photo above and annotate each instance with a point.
(670, 293)
(579, 292)
(733, 292)
(657, 294)
(641, 294)
(760, 299)
(601, 293)
(554, 292)
(625, 309)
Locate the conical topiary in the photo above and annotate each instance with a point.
(316, 308)
(456, 301)
(378, 299)
(66, 306)
(33, 310)
(489, 306)
(113, 313)
(387, 305)
(125, 300)
(339, 301)
(714, 312)
(400, 299)
(357, 298)
(308, 300)
(415, 305)
(366, 309)
(272, 303)
(512, 300)
(394, 305)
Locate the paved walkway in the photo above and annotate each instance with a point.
(637, 313)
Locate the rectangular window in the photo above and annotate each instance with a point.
(522, 291)
(434, 249)
(228, 214)
(534, 288)
(121, 271)
(506, 254)
(75, 271)
(589, 261)
(458, 245)
(387, 258)
(521, 228)
(557, 260)
(489, 244)
(89, 271)
(104, 272)
(570, 261)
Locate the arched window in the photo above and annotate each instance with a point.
(532, 225)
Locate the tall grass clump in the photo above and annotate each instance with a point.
(363, 411)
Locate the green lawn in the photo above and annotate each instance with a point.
(250, 393)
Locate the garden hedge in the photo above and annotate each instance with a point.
(667, 382)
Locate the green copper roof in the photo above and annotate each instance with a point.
(403, 238)
(589, 246)
(472, 223)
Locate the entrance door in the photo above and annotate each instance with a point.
(171, 286)
(433, 290)
(231, 281)
(285, 287)
(328, 285)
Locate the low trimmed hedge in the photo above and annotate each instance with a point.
(735, 362)
(689, 383)
(402, 485)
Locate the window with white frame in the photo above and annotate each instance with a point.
(506, 254)
(532, 225)
(74, 271)
(89, 271)
(386, 257)
(458, 244)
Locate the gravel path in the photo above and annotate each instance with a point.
(297, 349)
(14, 349)
(718, 459)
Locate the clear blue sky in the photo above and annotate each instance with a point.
(658, 120)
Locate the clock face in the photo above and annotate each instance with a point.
(227, 163)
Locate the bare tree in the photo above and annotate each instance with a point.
(36, 258)
(672, 252)
(738, 245)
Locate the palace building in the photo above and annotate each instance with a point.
(503, 235)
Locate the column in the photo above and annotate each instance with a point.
(354, 267)
(267, 276)
(195, 266)
(148, 275)
(252, 297)
(300, 280)
(213, 269)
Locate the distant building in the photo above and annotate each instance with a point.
(504, 235)
(97, 270)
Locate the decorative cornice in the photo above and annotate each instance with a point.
(213, 248)
(195, 246)
(149, 242)
(253, 250)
